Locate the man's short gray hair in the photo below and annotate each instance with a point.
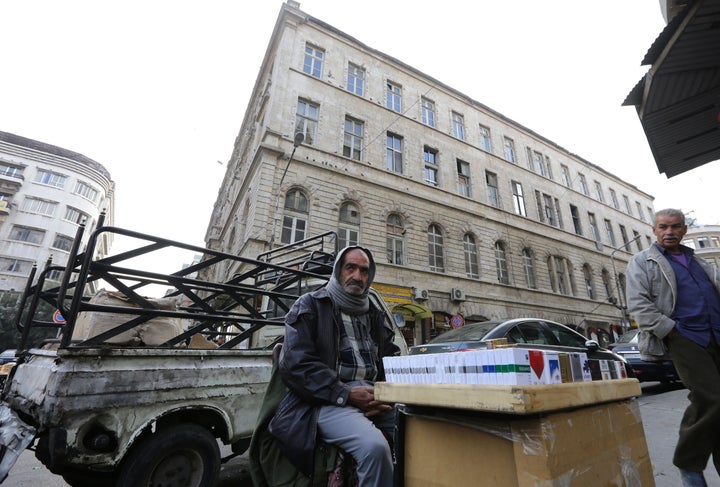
(670, 212)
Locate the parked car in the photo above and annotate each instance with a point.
(525, 332)
(7, 356)
(645, 371)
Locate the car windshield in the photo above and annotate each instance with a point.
(471, 332)
(627, 336)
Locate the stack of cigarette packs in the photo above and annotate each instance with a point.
(500, 366)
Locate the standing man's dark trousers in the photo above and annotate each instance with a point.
(699, 369)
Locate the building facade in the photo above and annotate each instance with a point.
(470, 215)
(46, 192)
(705, 239)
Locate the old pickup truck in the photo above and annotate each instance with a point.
(138, 390)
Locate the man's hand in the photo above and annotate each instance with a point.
(363, 398)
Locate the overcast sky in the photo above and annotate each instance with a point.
(156, 90)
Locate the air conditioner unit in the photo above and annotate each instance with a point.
(420, 294)
(457, 294)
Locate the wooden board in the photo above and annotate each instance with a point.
(509, 399)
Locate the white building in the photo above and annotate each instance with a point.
(705, 239)
(469, 214)
(46, 192)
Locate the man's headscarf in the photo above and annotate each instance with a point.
(350, 303)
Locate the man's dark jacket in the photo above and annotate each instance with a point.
(308, 366)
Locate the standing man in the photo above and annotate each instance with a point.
(673, 296)
(331, 357)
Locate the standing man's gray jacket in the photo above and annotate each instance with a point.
(652, 293)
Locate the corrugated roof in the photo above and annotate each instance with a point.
(678, 100)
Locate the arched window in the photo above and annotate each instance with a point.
(436, 261)
(501, 263)
(529, 268)
(560, 272)
(295, 218)
(606, 283)
(472, 268)
(348, 225)
(395, 239)
(621, 280)
(588, 277)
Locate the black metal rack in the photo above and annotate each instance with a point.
(270, 282)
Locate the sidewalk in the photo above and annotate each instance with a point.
(661, 408)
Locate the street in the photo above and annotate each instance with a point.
(661, 407)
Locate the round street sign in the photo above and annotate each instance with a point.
(457, 321)
(57, 317)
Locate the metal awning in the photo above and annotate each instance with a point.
(678, 100)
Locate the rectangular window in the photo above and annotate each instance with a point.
(347, 237)
(62, 242)
(75, 216)
(638, 240)
(614, 199)
(428, 112)
(540, 207)
(485, 142)
(293, 229)
(18, 266)
(610, 233)
(594, 233)
(353, 141)
(50, 178)
(559, 214)
(509, 147)
(41, 207)
(431, 165)
(575, 214)
(10, 171)
(624, 236)
(27, 234)
(583, 185)
(518, 199)
(537, 163)
(394, 153)
(458, 126)
(566, 176)
(651, 215)
(628, 208)
(463, 170)
(86, 191)
(313, 62)
(393, 97)
(492, 188)
(599, 192)
(356, 79)
(306, 120)
(546, 208)
(640, 213)
(549, 210)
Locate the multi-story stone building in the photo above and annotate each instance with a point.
(45, 193)
(469, 214)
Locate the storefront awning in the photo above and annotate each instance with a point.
(678, 100)
(413, 310)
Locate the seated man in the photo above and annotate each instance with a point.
(332, 355)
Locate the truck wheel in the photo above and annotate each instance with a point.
(182, 455)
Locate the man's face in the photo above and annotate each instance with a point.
(354, 272)
(669, 231)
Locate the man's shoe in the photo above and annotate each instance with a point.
(690, 478)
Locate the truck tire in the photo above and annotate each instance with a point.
(180, 455)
